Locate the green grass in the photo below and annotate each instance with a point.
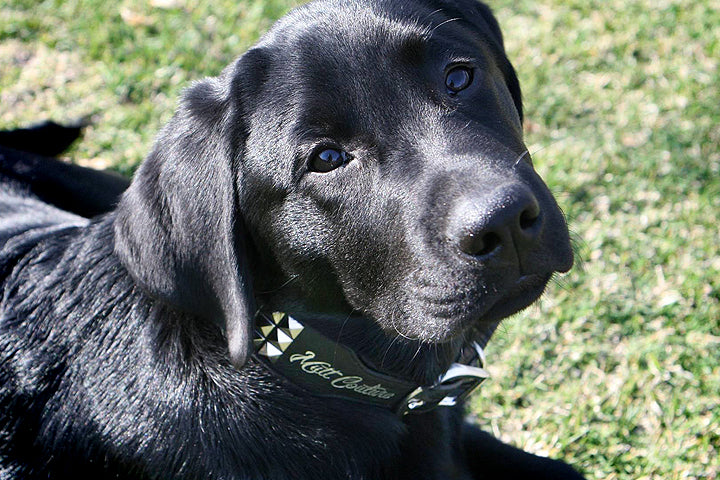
(617, 369)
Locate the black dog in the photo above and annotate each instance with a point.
(361, 170)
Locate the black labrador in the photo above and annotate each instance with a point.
(297, 280)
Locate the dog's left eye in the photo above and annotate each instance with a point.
(328, 159)
(458, 79)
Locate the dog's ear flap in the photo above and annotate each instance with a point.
(481, 17)
(178, 229)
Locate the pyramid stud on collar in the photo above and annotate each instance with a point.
(274, 334)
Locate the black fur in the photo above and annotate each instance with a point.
(125, 339)
(69, 187)
(46, 138)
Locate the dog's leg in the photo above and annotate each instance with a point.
(47, 138)
(489, 458)
(76, 189)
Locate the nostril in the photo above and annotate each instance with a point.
(491, 241)
(481, 244)
(506, 219)
(529, 217)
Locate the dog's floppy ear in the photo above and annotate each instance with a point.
(178, 229)
(483, 21)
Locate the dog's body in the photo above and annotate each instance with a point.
(361, 168)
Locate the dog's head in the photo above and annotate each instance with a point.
(365, 158)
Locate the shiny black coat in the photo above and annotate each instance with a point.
(125, 340)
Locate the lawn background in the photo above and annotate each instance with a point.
(617, 369)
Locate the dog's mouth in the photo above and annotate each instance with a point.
(442, 319)
(437, 333)
(419, 334)
(526, 290)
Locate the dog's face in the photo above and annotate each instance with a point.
(384, 173)
(377, 169)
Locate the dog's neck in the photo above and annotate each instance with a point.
(327, 367)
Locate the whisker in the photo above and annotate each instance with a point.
(392, 321)
(416, 352)
(387, 350)
(288, 282)
(519, 159)
(580, 249)
(443, 23)
(339, 335)
(544, 147)
(561, 282)
(427, 17)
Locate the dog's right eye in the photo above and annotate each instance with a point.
(458, 79)
(328, 159)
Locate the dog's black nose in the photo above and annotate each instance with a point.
(506, 218)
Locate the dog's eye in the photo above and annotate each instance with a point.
(457, 79)
(328, 159)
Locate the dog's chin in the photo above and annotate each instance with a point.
(427, 325)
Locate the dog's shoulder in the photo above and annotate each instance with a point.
(65, 304)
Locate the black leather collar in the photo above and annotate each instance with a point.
(329, 369)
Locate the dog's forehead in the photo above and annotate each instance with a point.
(345, 40)
(354, 36)
(342, 59)
(334, 21)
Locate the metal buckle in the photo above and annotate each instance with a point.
(453, 387)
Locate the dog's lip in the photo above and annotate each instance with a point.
(532, 278)
(463, 319)
(480, 329)
(523, 293)
(482, 332)
(467, 309)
